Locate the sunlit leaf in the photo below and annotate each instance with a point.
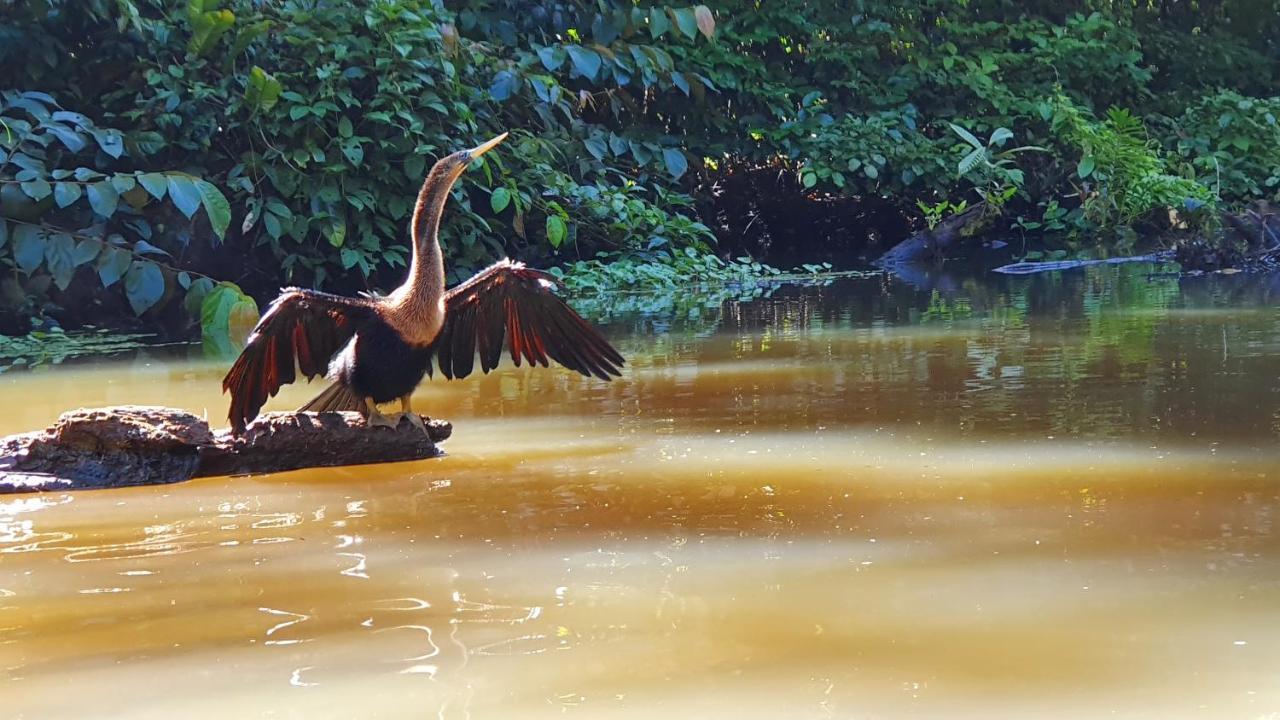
(556, 230)
(216, 206)
(499, 200)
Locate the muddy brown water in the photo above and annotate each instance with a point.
(1037, 497)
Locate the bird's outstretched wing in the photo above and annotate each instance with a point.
(301, 328)
(510, 300)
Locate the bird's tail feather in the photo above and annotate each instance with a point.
(335, 398)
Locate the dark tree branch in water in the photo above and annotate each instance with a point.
(135, 445)
(933, 243)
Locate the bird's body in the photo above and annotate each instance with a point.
(377, 349)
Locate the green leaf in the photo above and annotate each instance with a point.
(585, 61)
(66, 193)
(504, 85)
(552, 57)
(675, 161)
(556, 230)
(344, 127)
(143, 285)
(112, 264)
(414, 165)
(499, 200)
(967, 136)
(103, 198)
(1000, 136)
(28, 247)
(262, 92)
(59, 257)
(336, 232)
(686, 21)
(216, 206)
(192, 303)
(353, 152)
(37, 190)
(206, 28)
(86, 250)
(1085, 168)
(155, 183)
(970, 161)
(809, 179)
(597, 147)
(185, 195)
(658, 23)
(123, 183)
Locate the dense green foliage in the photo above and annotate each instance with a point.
(259, 142)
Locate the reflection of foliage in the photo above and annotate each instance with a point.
(55, 346)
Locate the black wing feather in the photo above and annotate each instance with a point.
(301, 329)
(510, 301)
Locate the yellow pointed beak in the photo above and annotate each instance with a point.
(485, 147)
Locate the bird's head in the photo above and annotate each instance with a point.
(450, 167)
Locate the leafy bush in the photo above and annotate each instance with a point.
(1233, 141)
(67, 203)
(1123, 170)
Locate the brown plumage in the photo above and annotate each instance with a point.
(377, 349)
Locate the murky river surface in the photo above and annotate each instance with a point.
(1054, 496)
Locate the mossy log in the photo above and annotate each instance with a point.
(136, 445)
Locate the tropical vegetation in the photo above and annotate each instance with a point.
(170, 161)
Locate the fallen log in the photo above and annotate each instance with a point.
(137, 445)
(931, 244)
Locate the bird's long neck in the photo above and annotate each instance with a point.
(417, 306)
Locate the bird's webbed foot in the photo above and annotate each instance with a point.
(373, 418)
(406, 412)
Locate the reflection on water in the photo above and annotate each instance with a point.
(1030, 497)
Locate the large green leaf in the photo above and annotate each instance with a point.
(499, 200)
(675, 161)
(59, 257)
(113, 263)
(66, 193)
(155, 183)
(658, 22)
(556, 230)
(185, 195)
(216, 205)
(585, 60)
(28, 247)
(686, 21)
(262, 91)
(103, 198)
(143, 285)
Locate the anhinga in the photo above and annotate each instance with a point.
(377, 349)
